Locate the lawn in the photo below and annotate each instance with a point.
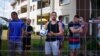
(38, 45)
(36, 50)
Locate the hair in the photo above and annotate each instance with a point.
(54, 12)
(15, 13)
(77, 16)
(60, 17)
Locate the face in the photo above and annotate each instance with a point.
(76, 19)
(28, 21)
(53, 16)
(13, 16)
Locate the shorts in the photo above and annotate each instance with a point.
(60, 43)
(26, 41)
(15, 46)
(74, 46)
(51, 46)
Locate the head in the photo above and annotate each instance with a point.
(81, 19)
(60, 18)
(53, 16)
(14, 15)
(28, 21)
(76, 18)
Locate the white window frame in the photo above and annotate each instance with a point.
(65, 2)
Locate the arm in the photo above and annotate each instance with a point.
(46, 25)
(23, 32)
(96, 21)
(73, 30)
(31, 30)
(61, 30)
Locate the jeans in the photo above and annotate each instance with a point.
(14, 48)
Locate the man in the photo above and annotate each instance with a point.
(74, 36)
(15, 34)
(27, 36)
(61, 38)
(54, 30)
(98, 32)
(0, 37)
(97, 39)
(83, 35)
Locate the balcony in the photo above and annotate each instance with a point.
(45, 3)
(23, 1)
(24, 9)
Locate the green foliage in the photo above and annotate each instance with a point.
(66, 31)
(5, 27)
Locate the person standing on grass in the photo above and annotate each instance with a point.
(74, 36)
(27, 36)
(98, 32)
(83, 35)
(54, 30)
(1, 28)
(61, 38)
(15, 34)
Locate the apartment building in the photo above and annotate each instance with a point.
(32, 9)
(66, 8)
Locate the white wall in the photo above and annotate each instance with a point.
(68, 9)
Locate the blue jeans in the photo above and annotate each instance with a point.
(15, 47)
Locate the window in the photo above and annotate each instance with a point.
(33, 21)
(30, 8)
(24, 9)
(33, 7)
(65, 19)
(64, 2)
(35, 0)
(22, 1)
(18, 2)
(45, 3)
(44, 19)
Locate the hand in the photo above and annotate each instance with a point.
(49, 34)
(52, 33)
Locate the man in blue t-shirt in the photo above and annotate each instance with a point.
(15, 34)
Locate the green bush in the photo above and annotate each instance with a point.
(5, 27)
(66, 31)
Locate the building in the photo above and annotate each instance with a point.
(66, 8)
(32, 9)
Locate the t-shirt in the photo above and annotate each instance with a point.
(54, 28)
(29, 29)
(15, 29)
(74, 37)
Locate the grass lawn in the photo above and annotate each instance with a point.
(37, 47)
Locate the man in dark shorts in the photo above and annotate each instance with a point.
(74, 36)
(27, 36)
